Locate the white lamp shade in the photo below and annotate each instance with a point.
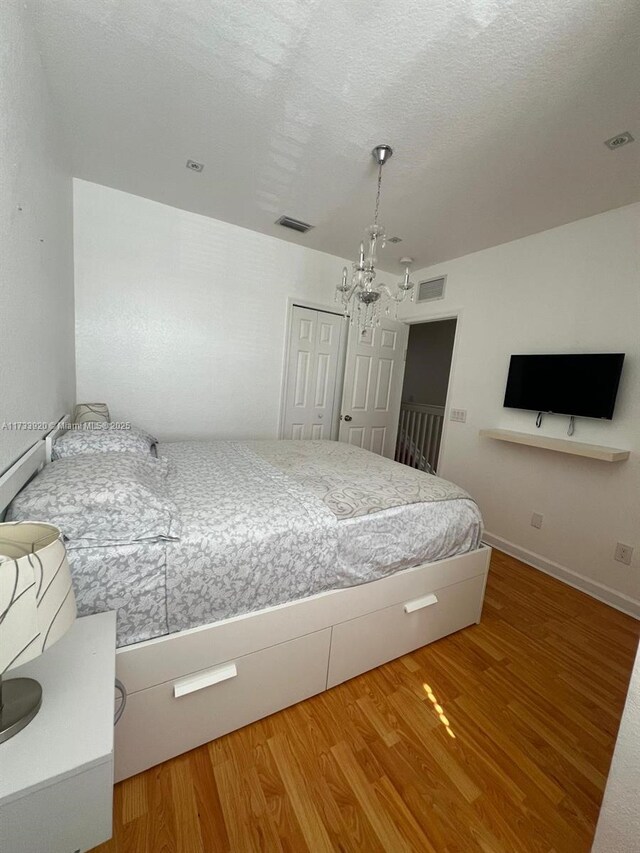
(91, 413)
(37, 604)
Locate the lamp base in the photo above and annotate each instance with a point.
(20, 700)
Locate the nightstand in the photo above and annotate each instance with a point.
(56, 775)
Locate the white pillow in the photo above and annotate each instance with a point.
(103, 438)
(101, 498)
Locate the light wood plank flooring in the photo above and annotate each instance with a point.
(496, 739)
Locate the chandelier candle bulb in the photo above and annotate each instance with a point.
(362, 298)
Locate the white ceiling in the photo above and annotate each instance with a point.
(497, 111)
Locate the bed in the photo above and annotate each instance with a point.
(285, 568)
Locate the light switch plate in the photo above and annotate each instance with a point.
(459, 415)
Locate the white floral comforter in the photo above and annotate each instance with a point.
(264, 523)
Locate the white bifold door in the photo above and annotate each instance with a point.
(372, 392)
(314, 374)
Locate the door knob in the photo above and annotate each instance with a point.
(348, 418)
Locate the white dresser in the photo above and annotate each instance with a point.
(56, 775)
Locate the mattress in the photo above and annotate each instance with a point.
(266, 523)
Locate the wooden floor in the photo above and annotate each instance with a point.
(497, 738)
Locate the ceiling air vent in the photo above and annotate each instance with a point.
(432, 288)
(294, 224)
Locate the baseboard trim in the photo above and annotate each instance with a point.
(603, 593)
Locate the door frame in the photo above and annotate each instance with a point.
(435, 317)
(292, 302)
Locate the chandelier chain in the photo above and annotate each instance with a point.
(375, 217)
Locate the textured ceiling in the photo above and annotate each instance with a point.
(497, 111)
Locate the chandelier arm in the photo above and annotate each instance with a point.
(348, 296)
(387, 291)
(399, 296)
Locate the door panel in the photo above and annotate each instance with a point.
(383, 384)
(326, 333)
(353, 435)
(322, 379)
(312, 373)
(388, 339)
(361, 380)
(305, 329)
(366, 338)
(376, 443)
(373, 386)
(301, 380)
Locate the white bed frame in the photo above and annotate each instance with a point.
(187, 688)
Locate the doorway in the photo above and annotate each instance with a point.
(424, 393)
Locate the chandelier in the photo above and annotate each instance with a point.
(360, 295)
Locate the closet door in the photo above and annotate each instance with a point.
(312, 373)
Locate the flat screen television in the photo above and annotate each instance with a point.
(583, 385)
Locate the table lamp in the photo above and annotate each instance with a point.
(91, 413)
(37, 607)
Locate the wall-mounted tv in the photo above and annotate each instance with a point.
(582, 385)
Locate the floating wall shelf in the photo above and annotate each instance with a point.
(560, 445)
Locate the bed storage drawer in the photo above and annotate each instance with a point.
(153, 662)
(368, 641)
(178, 715)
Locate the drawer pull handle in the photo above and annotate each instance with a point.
(192, 683)
(419, 603)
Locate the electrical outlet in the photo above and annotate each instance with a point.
(623, 553)
(536, 520)
(459, 415)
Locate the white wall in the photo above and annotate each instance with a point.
(426, 373)
(37, 381)
(574, 288)
(180, 319)
(618, 829)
